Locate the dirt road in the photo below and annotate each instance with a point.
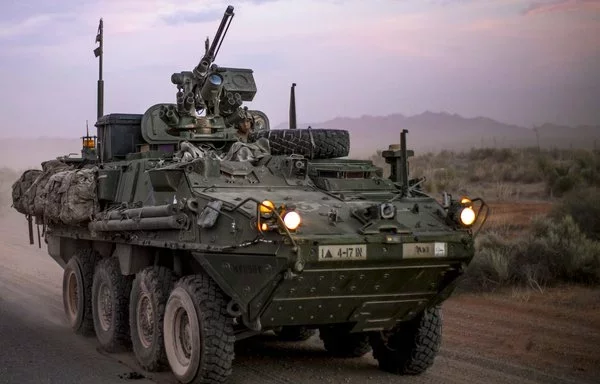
(539, 339)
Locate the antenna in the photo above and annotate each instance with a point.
(99, 52)
(293, 123)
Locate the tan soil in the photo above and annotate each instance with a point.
(555, 331)
(515, 214)
(512, 219)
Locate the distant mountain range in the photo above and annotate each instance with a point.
(431, 131)
(428, 131)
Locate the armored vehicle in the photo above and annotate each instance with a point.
(193, 225)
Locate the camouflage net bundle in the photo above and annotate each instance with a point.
(40, 189)
(58, 194)
(21, 195)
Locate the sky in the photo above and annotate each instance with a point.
(517, 61)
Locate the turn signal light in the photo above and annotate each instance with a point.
(266, 206)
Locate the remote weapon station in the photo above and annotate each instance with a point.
(193, 225)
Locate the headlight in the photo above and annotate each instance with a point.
(266, 207)
(292, 220)
(467, 216)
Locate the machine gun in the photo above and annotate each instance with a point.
(218, 91)
(197, 90)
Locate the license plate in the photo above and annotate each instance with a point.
(424, 250)
(343, 252)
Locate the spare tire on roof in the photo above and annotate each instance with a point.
(310, 143)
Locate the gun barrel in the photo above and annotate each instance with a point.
(218, 36)
(209, 57)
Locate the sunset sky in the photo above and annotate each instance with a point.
(516, 61)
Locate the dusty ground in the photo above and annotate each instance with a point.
(515, 337)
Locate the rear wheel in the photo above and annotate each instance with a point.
(110, 297)
(199, 338)
(339, 342)
(77, 291)
(294, 333)
(149, 294)
(411, 347)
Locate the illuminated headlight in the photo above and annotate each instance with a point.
(266, 208)
(467, 216)
(292, 220)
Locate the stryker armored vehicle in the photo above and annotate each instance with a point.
(193, 225)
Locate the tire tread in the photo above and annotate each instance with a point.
(311, 143)
(218, 337)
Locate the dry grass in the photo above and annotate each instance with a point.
(559, 247)
(506, 173)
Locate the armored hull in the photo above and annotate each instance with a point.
(181, 232)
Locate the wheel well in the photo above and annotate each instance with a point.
(61, 249)
(132, 258)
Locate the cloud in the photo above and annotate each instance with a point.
(561, 6)
(347, 56)
(193, 17)
(31, 24)
(258, 1)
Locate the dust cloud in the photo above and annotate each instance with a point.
(20, 154)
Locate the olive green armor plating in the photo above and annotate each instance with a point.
(290, 231)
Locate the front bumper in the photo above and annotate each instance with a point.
(373, 297)
(390, 282)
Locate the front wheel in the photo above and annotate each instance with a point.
(198, 333)
(410, 348)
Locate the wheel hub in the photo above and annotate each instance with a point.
(105, 310)
(183, 337)
(145, 320)
(72, 296)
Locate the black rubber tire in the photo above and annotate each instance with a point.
(295, 333)
(412, 347)
(211, 338)
(339, 342)
(115, 336)
(79, 271)
(152, 286)
(310, 143)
